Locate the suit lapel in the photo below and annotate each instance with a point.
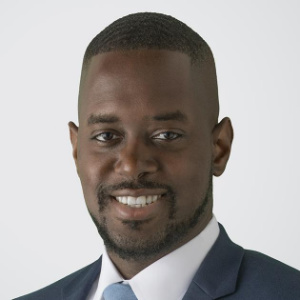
(81, 285)
(216, 277)
(218, 274)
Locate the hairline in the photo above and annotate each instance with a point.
(193, 63)
(208, 59)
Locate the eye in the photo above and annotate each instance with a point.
(167, 135)
(106, 136)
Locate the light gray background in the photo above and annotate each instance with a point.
(46, 232)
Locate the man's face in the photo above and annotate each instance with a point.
(143, 150)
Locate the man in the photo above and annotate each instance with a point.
(147, 145)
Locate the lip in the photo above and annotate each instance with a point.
(127, 213)
(138, 192)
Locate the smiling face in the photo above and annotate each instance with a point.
(146, 148)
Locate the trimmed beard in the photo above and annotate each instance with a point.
(164, 239)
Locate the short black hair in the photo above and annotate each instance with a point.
(149, 30)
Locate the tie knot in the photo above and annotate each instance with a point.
(119, 291)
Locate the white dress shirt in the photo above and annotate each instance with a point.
(168, 277)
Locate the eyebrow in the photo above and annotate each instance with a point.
(107, 118)
(102, 118)
(171, 116)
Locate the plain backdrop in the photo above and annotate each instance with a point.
(46, 232)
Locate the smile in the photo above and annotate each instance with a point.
(138, 202)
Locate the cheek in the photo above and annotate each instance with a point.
(191, 175)
(93, 165)
(92, 171)
(193, 179)
(191, 166)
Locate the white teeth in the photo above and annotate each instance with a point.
(149, 199)
(131, 200)
(140, 201)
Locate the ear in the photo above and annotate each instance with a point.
(73, 129)
(222, 141)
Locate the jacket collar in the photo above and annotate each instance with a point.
(218, 274)
(80, 286)
(216, 277)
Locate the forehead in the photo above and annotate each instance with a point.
(154, 78)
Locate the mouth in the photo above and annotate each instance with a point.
(138, 202)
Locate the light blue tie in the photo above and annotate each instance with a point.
(119, 291)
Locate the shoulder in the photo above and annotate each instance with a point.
(265, 266)
(56, 289)
(235, 273)
(259, 272)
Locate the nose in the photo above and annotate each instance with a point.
(136, 160)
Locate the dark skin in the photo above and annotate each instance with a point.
(148, 115)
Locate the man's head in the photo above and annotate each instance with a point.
(148, 140)
(154, 31)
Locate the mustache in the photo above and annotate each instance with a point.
(105, 190)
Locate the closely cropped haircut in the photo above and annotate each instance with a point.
(155, 31)
(149, 31)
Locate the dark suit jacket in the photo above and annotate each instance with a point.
(228, 272)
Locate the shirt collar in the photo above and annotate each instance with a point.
(168, 277)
